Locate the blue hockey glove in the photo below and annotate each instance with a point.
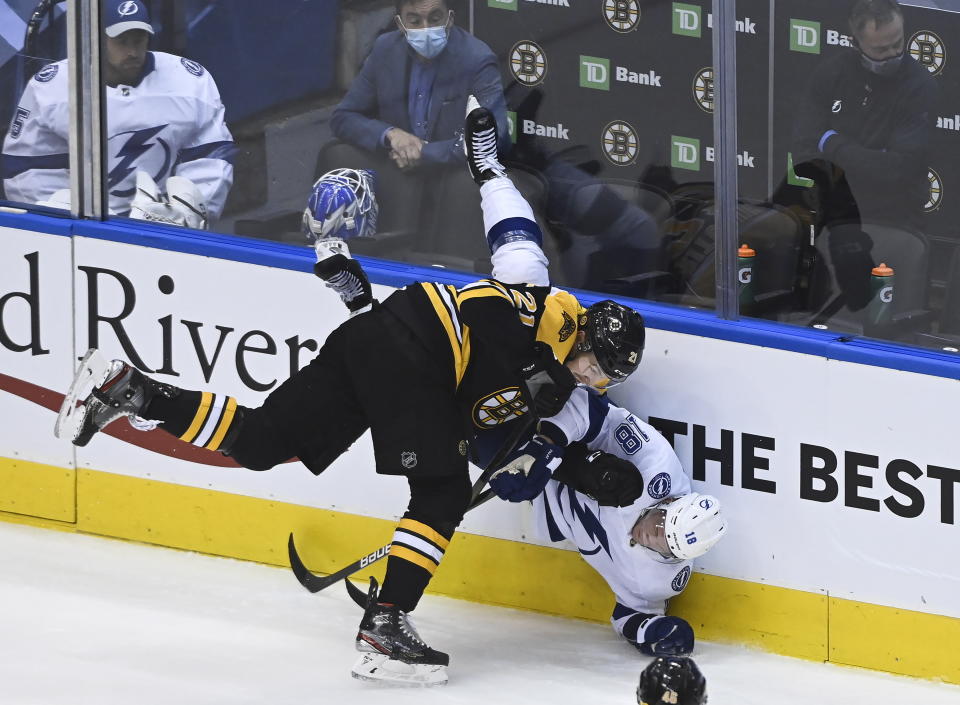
(525, 472)
(666, 636)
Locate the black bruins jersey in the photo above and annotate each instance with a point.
(483, 333)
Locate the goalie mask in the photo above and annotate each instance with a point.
(615, 335)
(672, 680)
(680, 528)
(342, 205)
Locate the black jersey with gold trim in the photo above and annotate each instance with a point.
(483, 333)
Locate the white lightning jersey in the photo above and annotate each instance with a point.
(640, 580)
(170, 123)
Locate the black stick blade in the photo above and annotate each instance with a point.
(356, 594)
(313, 583)
(316, 583)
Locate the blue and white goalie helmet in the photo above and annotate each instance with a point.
(342, 205)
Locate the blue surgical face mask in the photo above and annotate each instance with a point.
(883, 67)
(427, 42)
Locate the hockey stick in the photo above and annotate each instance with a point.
(316, 583)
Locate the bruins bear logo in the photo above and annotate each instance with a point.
(499, 407)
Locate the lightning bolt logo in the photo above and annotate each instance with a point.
(590, 523)
(135, 147)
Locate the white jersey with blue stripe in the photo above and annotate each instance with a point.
(171, 122)
(640, 579)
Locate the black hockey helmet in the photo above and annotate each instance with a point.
(615, 334)
(672, 679)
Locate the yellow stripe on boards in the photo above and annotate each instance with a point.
(424, 531)
(398, 551)
(894, 640)
(224, 425)
(37, 490)
(206, 398)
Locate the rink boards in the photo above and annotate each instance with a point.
(839, 477)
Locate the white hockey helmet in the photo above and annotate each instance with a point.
(342, 204)
(693, 524)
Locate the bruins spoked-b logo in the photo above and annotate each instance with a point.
(528, 63)
(499, 407)
(703, 88)
(927, 48)
(936, 191)
(620, 143)
(621, 15)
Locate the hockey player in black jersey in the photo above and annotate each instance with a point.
(464, 362)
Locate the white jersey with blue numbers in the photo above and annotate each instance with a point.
(171, 122)
(640, 580)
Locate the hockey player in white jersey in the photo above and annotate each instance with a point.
(622, 498)
(164, 118)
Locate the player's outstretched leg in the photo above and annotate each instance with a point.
(391, 648)
(104, 391)
(514, 238)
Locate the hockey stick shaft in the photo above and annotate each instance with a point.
(316, 583)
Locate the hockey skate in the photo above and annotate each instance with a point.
(480, 143)
(343, 274)
(101, 393)
(392, 651)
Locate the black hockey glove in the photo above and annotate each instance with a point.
(547, 382)
(612, 481)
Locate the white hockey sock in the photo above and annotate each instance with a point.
(500, 200)
(521, 262)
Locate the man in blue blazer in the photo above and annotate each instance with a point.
(408, 100)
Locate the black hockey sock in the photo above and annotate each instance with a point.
(414, 556)
(200, 418)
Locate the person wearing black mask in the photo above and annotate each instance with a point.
(862, 133)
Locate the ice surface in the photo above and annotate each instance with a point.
(91, 620)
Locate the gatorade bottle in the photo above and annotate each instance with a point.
(881, 300)
(745, 258)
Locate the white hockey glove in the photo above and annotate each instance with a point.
(181, 206)
(185, 198)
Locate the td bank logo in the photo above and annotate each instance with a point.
(685, 153)
(687, 20)
(594, 72)
(503, 4)
(512, 125)
(805, 36)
